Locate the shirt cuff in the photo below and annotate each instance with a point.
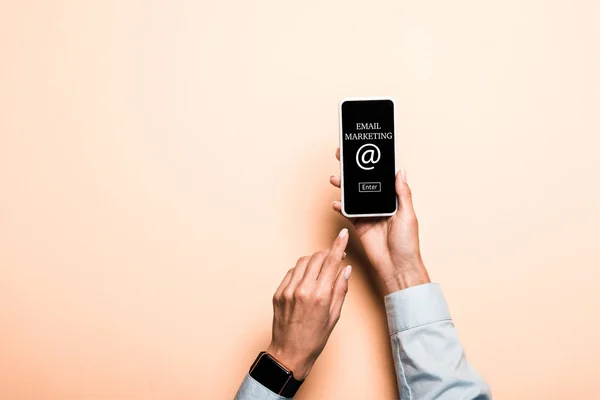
(252, 390)
(415, 306)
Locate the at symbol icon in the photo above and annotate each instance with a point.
(367, 154)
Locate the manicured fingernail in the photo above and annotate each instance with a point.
(403, 175)
(343, 232)
(347, 272)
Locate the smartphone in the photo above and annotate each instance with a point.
(368, 157)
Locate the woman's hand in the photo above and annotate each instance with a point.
(391, 243)
(307, 305)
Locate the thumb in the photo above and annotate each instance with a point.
(405, 203)
(340, 288)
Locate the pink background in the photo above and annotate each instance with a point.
(163, 163)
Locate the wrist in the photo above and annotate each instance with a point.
(299, 365)
(403, 276)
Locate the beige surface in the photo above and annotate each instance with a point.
(163, 163)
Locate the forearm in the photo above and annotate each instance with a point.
(429, 358)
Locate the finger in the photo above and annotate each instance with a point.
(283, 284)
(337, 153)
(405, 203)
(298, 274)
(335, 180)
(340, 288)
(314, 266)
(331, 264)
(337, 206)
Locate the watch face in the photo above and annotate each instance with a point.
(269, 373)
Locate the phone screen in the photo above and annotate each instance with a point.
(368, 157)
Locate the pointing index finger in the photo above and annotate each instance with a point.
(333, 259)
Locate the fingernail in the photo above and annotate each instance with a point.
(331, 176)
(345, 255)
(403, 175)
(348, 272)
(343, 232)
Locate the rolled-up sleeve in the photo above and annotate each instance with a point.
(429, 358)
(252, 390)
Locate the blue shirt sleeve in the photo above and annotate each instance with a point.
(430, 361)
(252, 390)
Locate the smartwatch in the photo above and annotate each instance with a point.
(270, 373)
